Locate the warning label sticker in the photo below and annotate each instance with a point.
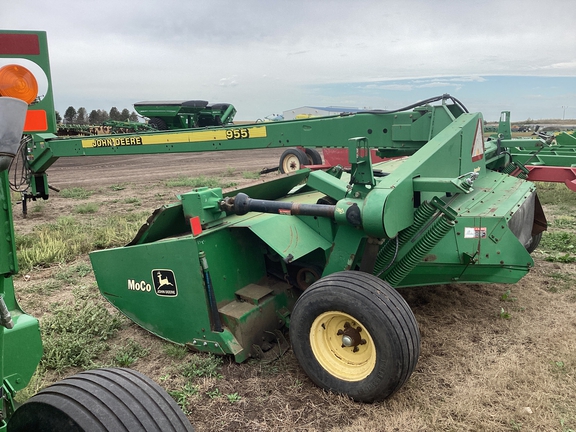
(475, 232)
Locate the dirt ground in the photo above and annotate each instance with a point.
(479, 370)
(146, 169)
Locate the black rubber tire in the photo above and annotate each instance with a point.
(292, 160)
(383, 313)
(534, 243)
(101, 400)
(158, 123)
(313, 156)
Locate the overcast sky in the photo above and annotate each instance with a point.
(270, 56)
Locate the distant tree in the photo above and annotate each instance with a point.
(115, 114)
(124, 115)
(81, 116)
(58, 117)
(133, 117)
(94, 118)
(70, 115)
(103, 116)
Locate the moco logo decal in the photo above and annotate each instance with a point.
(139, 286)
(164, 283)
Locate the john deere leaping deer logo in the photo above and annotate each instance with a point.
(164, 283)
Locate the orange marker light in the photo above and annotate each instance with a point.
(18, 82)
(196, 225)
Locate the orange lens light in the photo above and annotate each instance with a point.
(18, 82)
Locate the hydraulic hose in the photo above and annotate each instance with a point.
(421, 103)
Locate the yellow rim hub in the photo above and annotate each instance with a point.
(342, 346)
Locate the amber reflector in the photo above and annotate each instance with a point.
(18, 82)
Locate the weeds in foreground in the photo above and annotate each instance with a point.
(177, 352)
(37, 383)
(72, 273)
(562, 282)
(559, 246)
(213, 394)
(129, 353)
(559, 241)
(564, 428)
(181, 395)
(202, 366)
(233, 397)
(74, 335)
(507, 297)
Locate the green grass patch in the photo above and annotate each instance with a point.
(177, 352)
(181, 395)
(251, 175)
(202, 365)
(562, 282)
(43, 288)
(86, 208)
(555, 194)
(202, 181)
(67, 238)
(75, 335)
(559, 246)
(564, 222)
(133, 200)
(128, 353)
(38, 207)
(72, 274)
(37, 383)
(76, 193)
(558, 241)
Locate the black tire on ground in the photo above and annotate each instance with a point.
(314, 157)
(354, 334)
(101, 400)
(292, 160)
(158, 123)
(534, 242)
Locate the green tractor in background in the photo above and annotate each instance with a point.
(185, 114)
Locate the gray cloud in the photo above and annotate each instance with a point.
(112, 52)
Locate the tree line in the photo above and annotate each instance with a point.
(96, 117)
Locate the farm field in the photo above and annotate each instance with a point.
(494, 357)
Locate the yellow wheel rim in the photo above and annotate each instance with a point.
(342, 346)
(291, 163)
